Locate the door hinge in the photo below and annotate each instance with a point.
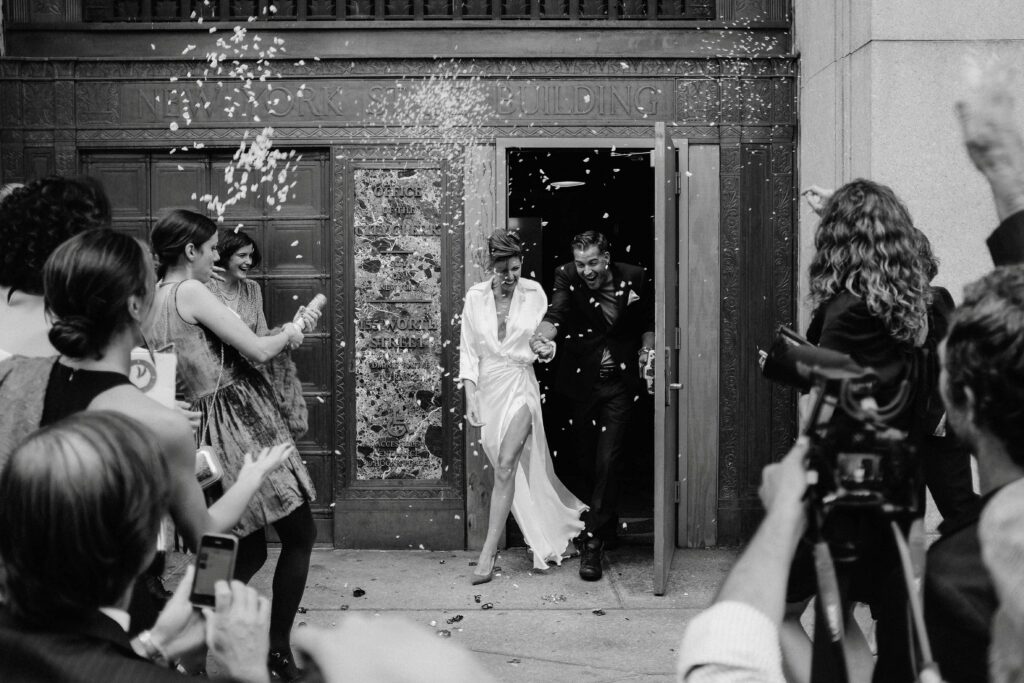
(677, 491)
(679, 183)
(679, 339)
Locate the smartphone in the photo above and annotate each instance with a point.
(215, 561)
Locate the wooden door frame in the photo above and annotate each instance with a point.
(700, 338)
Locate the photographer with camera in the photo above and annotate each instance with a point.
(869, 286)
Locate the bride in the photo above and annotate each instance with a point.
(503, 399)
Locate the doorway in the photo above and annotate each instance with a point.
(554, 193)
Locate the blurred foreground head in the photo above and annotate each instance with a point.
(37, 218)
(80, 507)
(983, 361)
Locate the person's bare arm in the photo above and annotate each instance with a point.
(759, 577)
(174, 434)
(197, 303)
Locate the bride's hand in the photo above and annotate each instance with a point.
(473, 412)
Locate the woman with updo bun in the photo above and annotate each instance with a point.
(216, 354)
(99, 289)
(503, 400)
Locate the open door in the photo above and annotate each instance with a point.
(667, 389)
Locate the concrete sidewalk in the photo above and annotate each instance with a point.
(525, 625)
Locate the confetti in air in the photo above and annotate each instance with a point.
(441, 114)
(231, 80)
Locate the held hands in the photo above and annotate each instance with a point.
(238, 631)
(218, 274)
(544, 348)
(817, 197)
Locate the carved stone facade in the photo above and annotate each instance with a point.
(51, 111)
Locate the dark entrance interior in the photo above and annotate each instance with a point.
(554, 194)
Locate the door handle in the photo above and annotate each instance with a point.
(675, 386)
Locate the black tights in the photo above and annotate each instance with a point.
(298, 533)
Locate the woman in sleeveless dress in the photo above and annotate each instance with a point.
(216, 352)
(503, 399)
(99, 289)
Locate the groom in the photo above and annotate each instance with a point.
(603, 314)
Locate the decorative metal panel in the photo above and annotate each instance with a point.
(398, 342)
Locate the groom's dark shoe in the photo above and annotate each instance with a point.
(591, 554)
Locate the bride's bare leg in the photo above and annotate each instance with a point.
(511, 448)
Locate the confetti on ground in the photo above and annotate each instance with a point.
(454, 620)
(358, 593)
(597, 612)
(487, 605)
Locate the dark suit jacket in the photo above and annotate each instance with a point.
(583, 331)
(959, 598)
(94, 651)
(1006, 244)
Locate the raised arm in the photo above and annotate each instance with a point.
(994, 143)
(197, 302)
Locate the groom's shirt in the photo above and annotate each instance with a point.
(605, 297)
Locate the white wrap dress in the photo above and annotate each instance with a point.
(546, 512)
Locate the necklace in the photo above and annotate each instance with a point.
(238, 293)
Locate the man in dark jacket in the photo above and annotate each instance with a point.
(602, 314)
(80, 505)
(983, 363)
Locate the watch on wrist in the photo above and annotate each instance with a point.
(152, 651)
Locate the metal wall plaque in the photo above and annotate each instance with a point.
(398, 371)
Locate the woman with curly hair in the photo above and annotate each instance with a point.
(869, 280)
(869, 285)
(35, 219)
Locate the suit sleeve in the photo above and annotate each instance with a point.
(561, 301)
(469, 359)
(1006, 244)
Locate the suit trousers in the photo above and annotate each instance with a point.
(598, 432)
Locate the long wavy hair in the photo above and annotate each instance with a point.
(866, 244)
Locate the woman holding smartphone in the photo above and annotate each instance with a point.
(99, 290)
(216, 352)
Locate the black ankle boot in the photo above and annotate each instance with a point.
(591, 554)
(282, 665)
